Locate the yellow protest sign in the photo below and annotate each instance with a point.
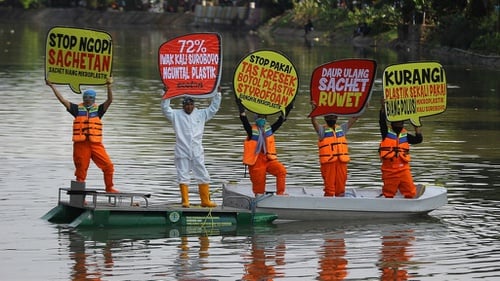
(77, 56)
(414, 90)
(266, 82)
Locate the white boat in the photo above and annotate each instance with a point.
(309, 204)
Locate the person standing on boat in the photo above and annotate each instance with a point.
(189, 125)
(87, 134)
(333, 153)
(394, 152)
(259, 151)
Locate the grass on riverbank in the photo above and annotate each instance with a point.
(341, 31)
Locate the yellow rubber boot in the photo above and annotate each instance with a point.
(205, 196)
(185, 195)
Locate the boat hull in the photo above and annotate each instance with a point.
(310, 204)
(94, 208)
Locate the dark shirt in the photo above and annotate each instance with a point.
(73, 110)
(412, 139)
(248, 127)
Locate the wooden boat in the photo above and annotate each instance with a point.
(81, 207)
(309, 204)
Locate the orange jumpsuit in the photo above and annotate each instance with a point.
(261, 161)
(333, 157)
(262, 262)
(394, 152)
(333, 264)
(395, 258)
(87, 143)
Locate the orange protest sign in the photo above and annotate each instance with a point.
(77, 56)
(342, 87)
(266, 82)
(191, 64)
(414, 90)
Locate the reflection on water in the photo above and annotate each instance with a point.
(383, 250)
(460, 152)
(332, 261)
(395, 258)
(392, 250)
(89, 263)
(265, 259)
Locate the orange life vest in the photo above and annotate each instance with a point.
(394, 146)
(87, 124)
(333, 146)
(250, 146)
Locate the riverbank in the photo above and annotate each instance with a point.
(187, 21)
(443, 54)
(96, 19)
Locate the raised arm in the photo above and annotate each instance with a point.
(314, 122)
(214, 105)
(382, 121)
(58, 95)
(276, 125)
(417, 138)
(351, 121)
(109, 100)
(243, 117)
(282, 118)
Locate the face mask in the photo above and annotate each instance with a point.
(397, 127)
(87, 96)
(88, 102)
(260, 122)
(331, 123)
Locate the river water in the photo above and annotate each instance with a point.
(459, 241)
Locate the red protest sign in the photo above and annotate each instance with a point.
(191, 64)
(342, 87)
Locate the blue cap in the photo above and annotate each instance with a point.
(89, 93)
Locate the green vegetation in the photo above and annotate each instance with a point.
(467, 24)
(472, 25)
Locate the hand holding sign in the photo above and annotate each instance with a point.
(266, 82)
(342, 87)
(414, 90)
(77, 57)
(191, 64)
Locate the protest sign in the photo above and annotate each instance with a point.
(191, 65)
(414, 90)
(266, 82)
(342, 87)
(77, 56)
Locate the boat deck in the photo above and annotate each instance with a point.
(80, 207)
(96, 199)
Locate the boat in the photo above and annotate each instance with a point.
(309, 204)
(131, 233)
(80, 207)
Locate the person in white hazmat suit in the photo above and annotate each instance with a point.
(189, 124)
